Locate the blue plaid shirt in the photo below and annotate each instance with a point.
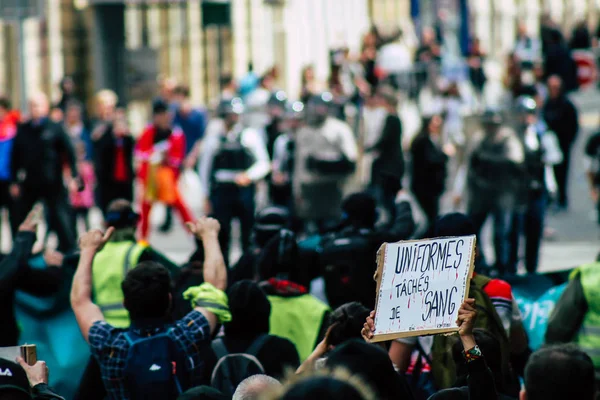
(110, 348)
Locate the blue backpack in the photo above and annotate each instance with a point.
(152, 370)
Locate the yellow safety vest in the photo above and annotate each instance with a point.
(297, 319)
(588, 337)
(108, 271)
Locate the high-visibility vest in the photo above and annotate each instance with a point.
(297, 319)
(588, 337)
(110, 266)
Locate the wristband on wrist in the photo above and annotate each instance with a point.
(472, 354)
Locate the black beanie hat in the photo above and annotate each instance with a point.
(250, 310)
(373, 365)
(360, 208)
(455, 224)
(159, 106)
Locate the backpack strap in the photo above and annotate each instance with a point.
(219, 348)
(258, 343)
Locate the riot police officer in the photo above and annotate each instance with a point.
(542, 152)
(232, 162)
(325, 158)
(283, 156)
(495, 168)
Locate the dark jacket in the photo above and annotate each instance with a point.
(480, 385)
(390, 161)
(568, 313)
(16, 274)
(105, 152)
(428, 166)
(561, 117)
(39, 154)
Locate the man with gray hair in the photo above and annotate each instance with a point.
(254, 387)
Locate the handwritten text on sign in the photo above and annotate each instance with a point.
(422, 285)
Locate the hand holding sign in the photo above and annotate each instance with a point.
(421, 286)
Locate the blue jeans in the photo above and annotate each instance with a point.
(502, 224)
(228, 202)
(530, 223)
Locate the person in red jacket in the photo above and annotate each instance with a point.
(160, 150)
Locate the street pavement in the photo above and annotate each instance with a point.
(574, 242)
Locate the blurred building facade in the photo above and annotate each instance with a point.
(125, 44)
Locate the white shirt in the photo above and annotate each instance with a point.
(250, 139)
(394, 58)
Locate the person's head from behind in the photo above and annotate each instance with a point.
(120, 215)
(373, 365)
(559, 372)
(147, 291)
(268, 223)
(554, 86)
(336, 384)
(161, 118)
(4, 106)
(279, 260)
(455, 224)
(39, 107)
(250, 310)
(360, 210)
(255, 387)
(14, 384)
(490, 348)
(345, 323)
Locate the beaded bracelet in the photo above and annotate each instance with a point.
(472, 354)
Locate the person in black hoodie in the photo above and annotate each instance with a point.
(429, 166)
(40, 150)
(388, 166)
(250, 311)
(562, 118)
(113, 150)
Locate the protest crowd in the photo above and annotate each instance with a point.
(318, 181)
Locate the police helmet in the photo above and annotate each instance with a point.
(269, 222)
(526, 105)
(491, 117)
(317, 107)
(230, 106)
(278, 99)
(295, 110)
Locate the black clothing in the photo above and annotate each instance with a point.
(39, 151)
(390, 160)
(276, 355)
(558, 61)
(428, 174)
(581, 39)
(561, 117)
(105, 151)
(480, 385)
(16, 274)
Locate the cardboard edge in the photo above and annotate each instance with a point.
(378, 277)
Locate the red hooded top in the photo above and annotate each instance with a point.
(174, 147)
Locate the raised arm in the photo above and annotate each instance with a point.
(86, 312)
(214, 270)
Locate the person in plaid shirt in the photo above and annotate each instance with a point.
(147, 294)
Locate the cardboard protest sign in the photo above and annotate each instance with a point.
(421, 285)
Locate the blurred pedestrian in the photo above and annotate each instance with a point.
(581, 39)
(67, 89)
(309, 85)
(76, 129)
(8, 131)
(40, 150)
(475, 61)
(161, 152)
(562, 118)
(527, 49)
(429, 158)
(558, 61)
(83, 201)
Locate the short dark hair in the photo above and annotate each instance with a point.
(560, 372)
(182, 90)
(346, 321)
(146, 291)
(226, 79)
(5, 103)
